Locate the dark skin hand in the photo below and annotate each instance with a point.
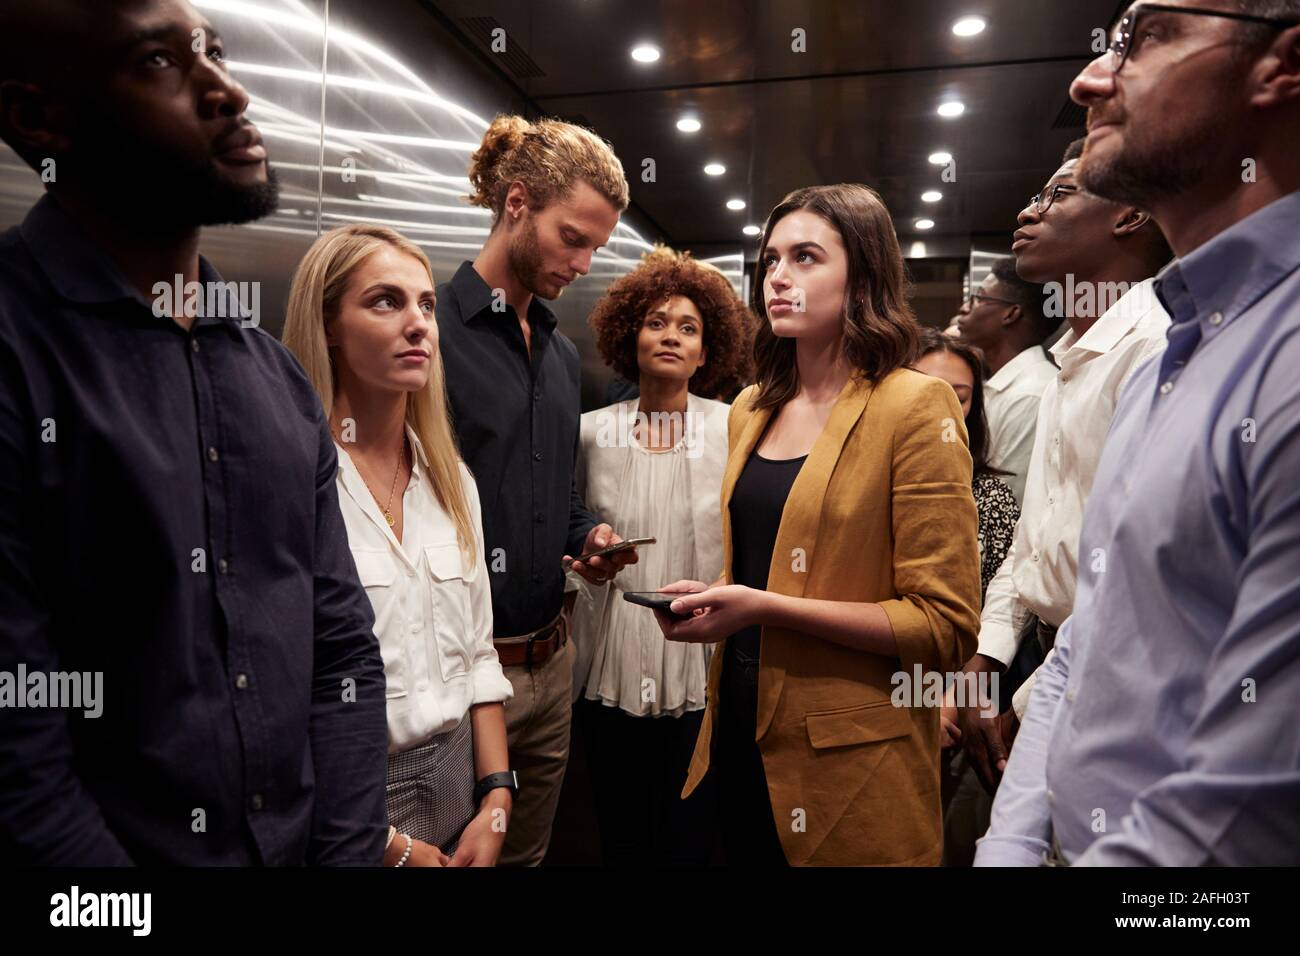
(984, 738)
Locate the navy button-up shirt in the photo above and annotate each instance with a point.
(168, 519)
(516, 419)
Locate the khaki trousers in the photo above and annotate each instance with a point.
(537, 731)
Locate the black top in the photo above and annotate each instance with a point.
(168, 517)
(756, 505)
(516, 421)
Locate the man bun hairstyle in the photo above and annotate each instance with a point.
(548, 156)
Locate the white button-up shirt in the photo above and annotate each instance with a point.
(1041, 570)
(1011, 399)
(433, 609)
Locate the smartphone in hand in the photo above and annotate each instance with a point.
(657, 601)
(627, 545)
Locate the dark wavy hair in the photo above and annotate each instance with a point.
(619, 315)
(880, 332)
(977, 423)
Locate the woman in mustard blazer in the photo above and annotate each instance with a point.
(851, 564)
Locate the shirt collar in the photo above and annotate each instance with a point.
(1231, 272)
(1015, 368)
(1115, 323)
(474, 296)
(81, 271)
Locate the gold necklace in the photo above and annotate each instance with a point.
(387, 509)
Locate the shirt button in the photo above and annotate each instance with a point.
(1034, 555)
(421, 684)
(194, 345)
(537, 456)
(223, 566)
(415, 627)
(212, 454)
(256, 802)
(1216, 318)
(1050, 796)
(1166, 388)
(537, 577)
(241, 681)
(540, 517)
(537, 394)
(1069, 694)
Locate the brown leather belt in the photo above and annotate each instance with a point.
(534, 648)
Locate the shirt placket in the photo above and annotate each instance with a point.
(240, 664)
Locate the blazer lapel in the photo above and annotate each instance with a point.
(800, 521)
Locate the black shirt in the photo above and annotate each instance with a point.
(516, 420)
(168, 517)
(757, 502)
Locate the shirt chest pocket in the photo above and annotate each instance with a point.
(453, 619)
(378, 576)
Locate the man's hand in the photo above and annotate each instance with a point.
(480, 844)
(600, 571)
(717, 612)
(981, 735)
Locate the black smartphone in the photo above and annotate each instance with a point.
(627, 545)
(657, 601)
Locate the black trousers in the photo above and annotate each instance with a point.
(749, 834)
(638, 768)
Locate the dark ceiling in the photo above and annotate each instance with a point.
(859, 105)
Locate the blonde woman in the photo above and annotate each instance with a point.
(361, 322)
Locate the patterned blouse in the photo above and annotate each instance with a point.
(998, 514)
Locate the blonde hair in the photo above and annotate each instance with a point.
(548, 157)
(318, 286)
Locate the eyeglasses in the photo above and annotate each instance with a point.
(1121, 45)
(1043, 201)
(981, 297)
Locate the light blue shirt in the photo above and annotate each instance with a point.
(1165, 729)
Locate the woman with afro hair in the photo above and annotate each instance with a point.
(652, 466)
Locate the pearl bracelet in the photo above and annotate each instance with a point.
(406, 855)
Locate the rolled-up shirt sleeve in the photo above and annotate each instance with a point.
(490, 684)
(936, 542)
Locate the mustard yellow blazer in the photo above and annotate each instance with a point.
(881, 512)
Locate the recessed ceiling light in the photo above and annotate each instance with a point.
(969, 26)
(688, 124)
(952, 108)
(645, 53)
(925, 224)
(752, 231)
(931, 195)
(940, 158)
(735, 204)
(715, 169)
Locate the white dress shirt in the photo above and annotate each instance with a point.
(675, 497)
(1011, 398)
(1041, 570)
(433, 609)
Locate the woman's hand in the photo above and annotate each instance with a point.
(422, 854)
(717, 612)
(480, 844)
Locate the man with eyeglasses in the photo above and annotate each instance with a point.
(1003, 317)
(1162, 730)
(1097, 258)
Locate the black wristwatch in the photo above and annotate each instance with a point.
(506, 778)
